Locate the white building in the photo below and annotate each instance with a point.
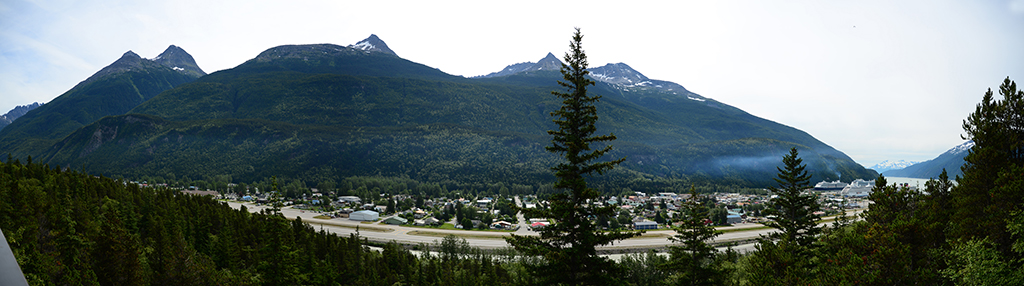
(365, 215)
(349, 199)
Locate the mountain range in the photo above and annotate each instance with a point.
(324, 112)
(951, 160)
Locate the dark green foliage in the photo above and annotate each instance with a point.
(73, 228)
(792, 209)
(980, 204)
(569, 245)
(779, 263)
(783, 258)
(645, 268)
(693, 261)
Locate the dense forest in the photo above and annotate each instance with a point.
(70, 228)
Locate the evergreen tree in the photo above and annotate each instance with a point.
(783, 258)
(793, 211)
(569, 245)
(694, 259)
(980, 206)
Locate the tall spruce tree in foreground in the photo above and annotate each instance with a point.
(792, 212)
(569, 245)
(783, 258)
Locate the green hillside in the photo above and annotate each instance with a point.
(115, 90)
(325, 111)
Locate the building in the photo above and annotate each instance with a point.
(349, 199)
(645, 225)
(733, 219)
(431, 221)
(365, 215)
(396, 220)
(501, 225)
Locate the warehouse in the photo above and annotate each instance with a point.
(364, 215)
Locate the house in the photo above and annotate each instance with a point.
(431, 221)
(483, 203)
(365, 215)
(419, 214)
(396, 220)
(645, 225)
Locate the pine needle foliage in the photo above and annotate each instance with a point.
(569, 245)
(792, 212)
(693, 258)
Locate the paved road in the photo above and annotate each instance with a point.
(524, 225)
(481, 239)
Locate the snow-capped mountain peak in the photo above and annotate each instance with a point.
(177, 59)
(962, 148)
(373, 44)
(621, 74)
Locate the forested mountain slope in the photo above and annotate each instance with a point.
(325, 111)
(113, 90)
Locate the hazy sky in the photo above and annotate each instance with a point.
(878, 80)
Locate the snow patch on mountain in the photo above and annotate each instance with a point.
(892, 165)
(373, 44)
(363, 46)
(961, 148)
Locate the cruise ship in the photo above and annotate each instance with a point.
(859, 188)
(834, 185)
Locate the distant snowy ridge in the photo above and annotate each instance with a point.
(961, 148)
(892, 165)
(619, 75)
(951, 161)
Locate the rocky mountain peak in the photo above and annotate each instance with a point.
(177, 59)
(174, 58)
(619, 73)
(17, 112)
(549, 62)
(373, 44)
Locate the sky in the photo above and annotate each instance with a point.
(878, 80)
